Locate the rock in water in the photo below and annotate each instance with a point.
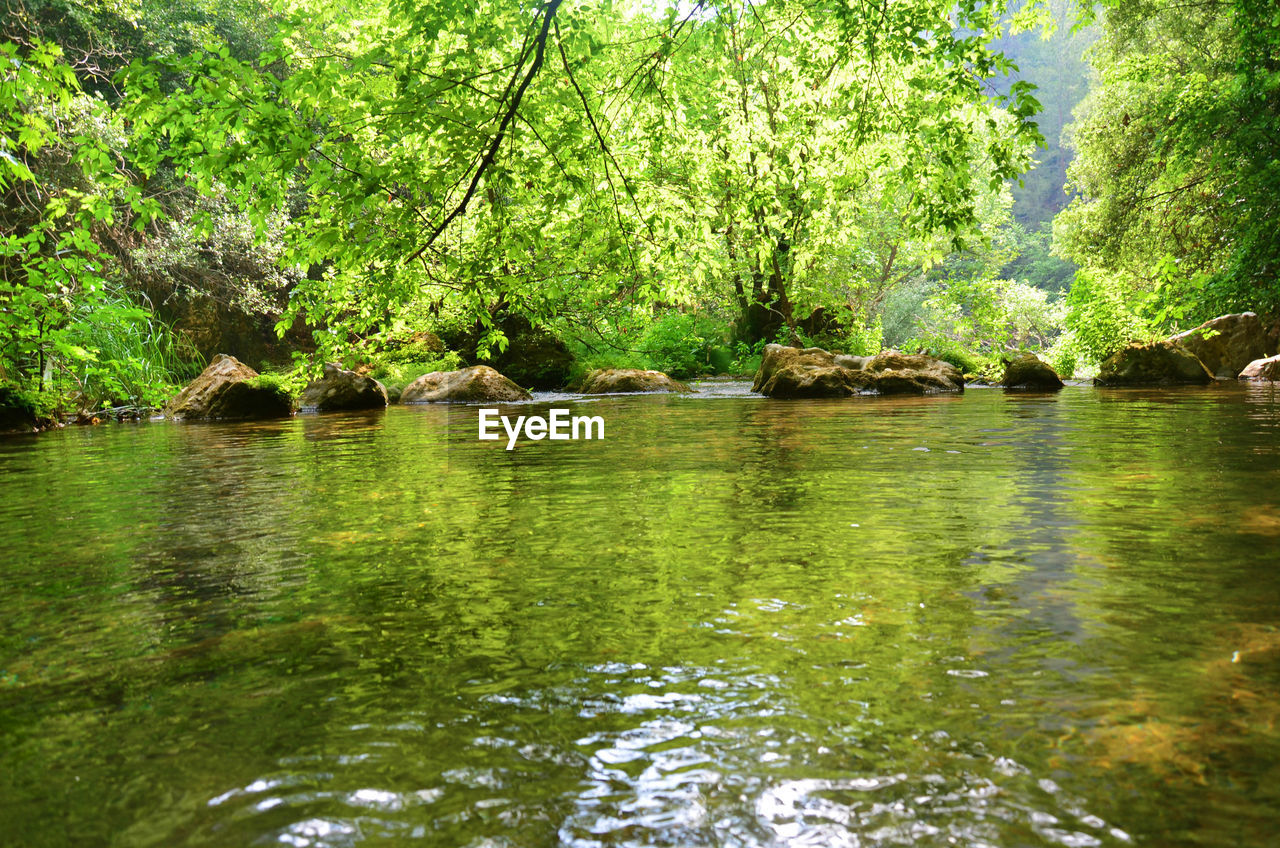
(1165, 363)
(788, 372)
(477, 384)
(1262, 369)
(532, 357)
(1228, 343)
(613, 381)
(913, 373)
(1028, 371)
(339, 389)
(224, 390)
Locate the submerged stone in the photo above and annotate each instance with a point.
(341, 389)
(225, 390)
(477, 384)
(1164, 363)
(611, 381)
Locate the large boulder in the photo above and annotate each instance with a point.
(1262, 369)
(1163, 363)
(789, 372)
(1273, 334)
(611, 381)
(913, 373)
(227, 389)
(339, 389)
(1028, 371)
(477, 384)
(1228, 343)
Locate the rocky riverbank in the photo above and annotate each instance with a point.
(1229, 347)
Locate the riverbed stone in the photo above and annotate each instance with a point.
(1025, 370)
(225, 390)
(1162, 363)
(341, 389)
(610, 381)
(1262, 369)
(477, 384)
(1228, 343)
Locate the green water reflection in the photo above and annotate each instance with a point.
(991, 619)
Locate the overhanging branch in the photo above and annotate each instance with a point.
(548, 12)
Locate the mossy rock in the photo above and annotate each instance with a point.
(1228, 343)
(1027, 371)
(229, 389)
(1164, 363)
(611, 381)
(20, 414)
(477, 384)
(339, 389)
(533, 357)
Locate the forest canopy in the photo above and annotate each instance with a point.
(404, 185)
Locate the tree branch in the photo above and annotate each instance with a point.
(548, 13)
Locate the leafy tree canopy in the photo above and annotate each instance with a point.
(548, 158)
(1177, 167)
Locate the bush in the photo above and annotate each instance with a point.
(1103, 314)
(865, 339)
(399, 370)
(1065, 356)
(968, 361)
(683, 344)
(18, 408)
(287, 386)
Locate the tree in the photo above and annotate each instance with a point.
(72, 209)
(1176, 167)
(521, 157)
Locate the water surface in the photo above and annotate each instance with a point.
(989, 619)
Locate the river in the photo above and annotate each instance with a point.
(987, 619)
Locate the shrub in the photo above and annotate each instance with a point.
(683, 344)
(398, 371)
(1103, 314)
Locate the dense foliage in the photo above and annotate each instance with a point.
(670, 187)
(1177, 167)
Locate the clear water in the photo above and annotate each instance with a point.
(995, 619)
